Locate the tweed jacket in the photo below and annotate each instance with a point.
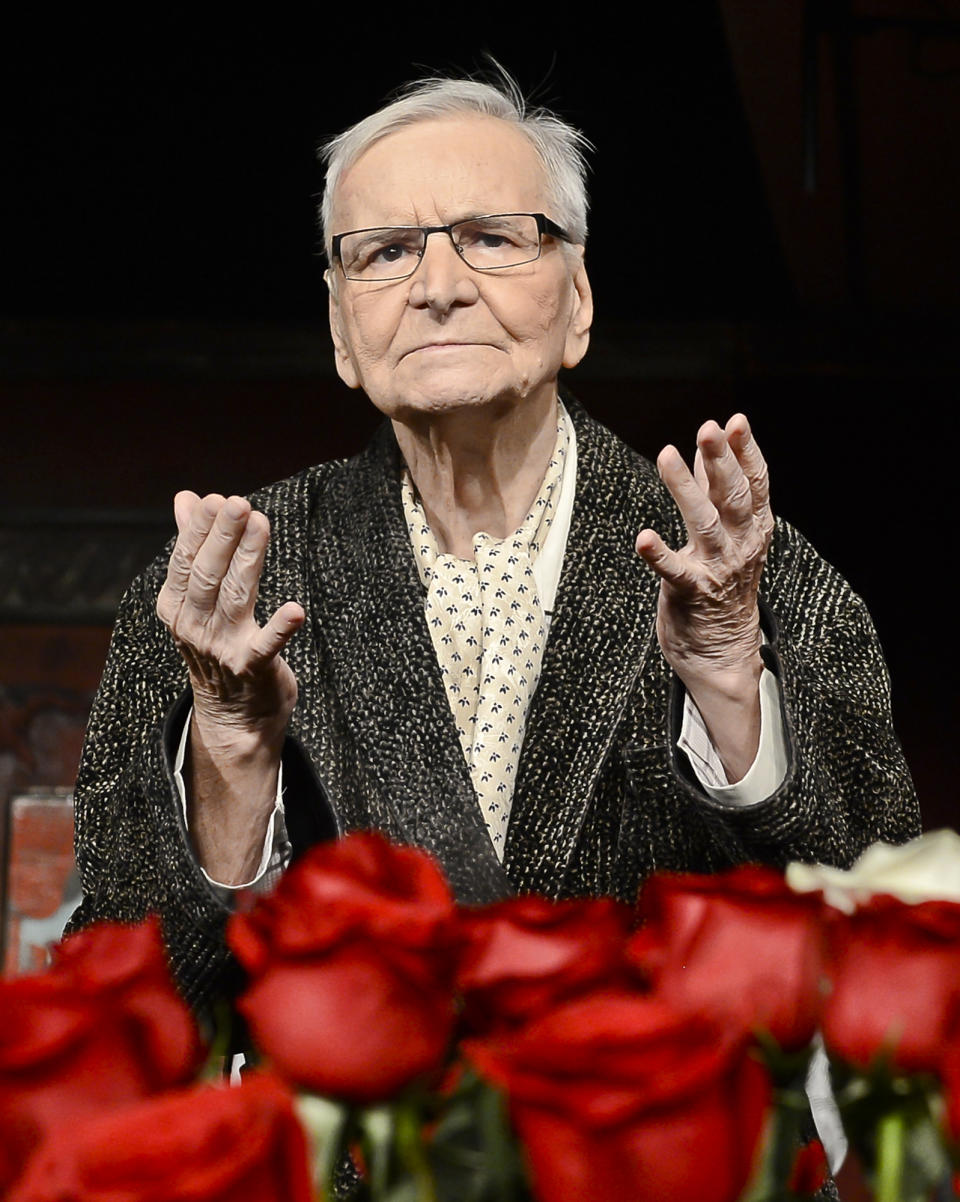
(602, 797)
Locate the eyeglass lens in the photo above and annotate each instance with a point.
(485, 243)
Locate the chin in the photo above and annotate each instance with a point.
(445, 402)
(443, 394)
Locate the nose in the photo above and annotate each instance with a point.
(443, 280)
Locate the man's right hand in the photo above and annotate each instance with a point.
(243, 689)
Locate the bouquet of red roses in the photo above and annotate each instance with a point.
(527, 1049)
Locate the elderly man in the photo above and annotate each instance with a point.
(457, 637)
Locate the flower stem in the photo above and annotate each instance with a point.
(410, 1146)
(216, 1067)
(891, 1132)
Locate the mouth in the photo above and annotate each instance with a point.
(440, 347)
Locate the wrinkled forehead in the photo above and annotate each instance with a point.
(441, 170)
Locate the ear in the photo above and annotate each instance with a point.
(346, 367)
(581, 317)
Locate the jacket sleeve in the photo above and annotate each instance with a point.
(133, 853)
(847, 783)
(132, 850)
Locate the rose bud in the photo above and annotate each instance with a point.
(525, 954)
(208, 1144)
(739, 945)
(895, 977)
(619, 1096)
(351, 964)
(102, 1028)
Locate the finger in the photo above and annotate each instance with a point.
(213, 558)
(273, 637)
(727, 485)
(197, 525)
(184, 504)
(241, 582)
(194, 520)
(753, 465)
(668, 564)
(704, 528)
(700, 472)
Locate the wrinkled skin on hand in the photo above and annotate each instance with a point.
(708, 622)
(240, 680)
(707, 616)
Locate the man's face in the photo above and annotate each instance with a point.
(449, 336)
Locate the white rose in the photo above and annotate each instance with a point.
(925, 869)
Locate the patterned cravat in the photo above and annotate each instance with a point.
(488, 629)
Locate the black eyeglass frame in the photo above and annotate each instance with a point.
(544, 226)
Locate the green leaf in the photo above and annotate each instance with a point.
(778, 1150)
(472, 1149)
(784, 1068)
(498, 1141)
(926, 1159)
(891, 1120)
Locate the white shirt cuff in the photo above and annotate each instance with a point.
(276, 828)
(769, 767)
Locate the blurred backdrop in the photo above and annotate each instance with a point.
(775, 194)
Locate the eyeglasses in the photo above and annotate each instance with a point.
(484, 243)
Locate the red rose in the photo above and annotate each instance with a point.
(740, 945)
(352, 961)
(895, 974)
(617, 1096)
(950, 1074)
(208, 1144)
(525, 954)
(100, 1029)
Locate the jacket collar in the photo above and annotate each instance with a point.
(368, 609)
(601, 635)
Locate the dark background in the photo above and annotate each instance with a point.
(775, 191)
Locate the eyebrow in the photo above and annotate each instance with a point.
(373, 230)
(376, 233)
(400, 226)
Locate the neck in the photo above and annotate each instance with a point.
(479, 468)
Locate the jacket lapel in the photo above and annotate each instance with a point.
(602, 632)
(369, 618)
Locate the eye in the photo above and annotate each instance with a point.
(394, 252)
(490, 240)
(388, 253)
(487, 237)
(380, 252)
(504, 240)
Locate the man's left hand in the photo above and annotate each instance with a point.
(708, 622)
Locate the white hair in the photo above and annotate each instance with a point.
(560, 147)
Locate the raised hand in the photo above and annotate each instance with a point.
(708, 622)
(238, 676)
(243, 689)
